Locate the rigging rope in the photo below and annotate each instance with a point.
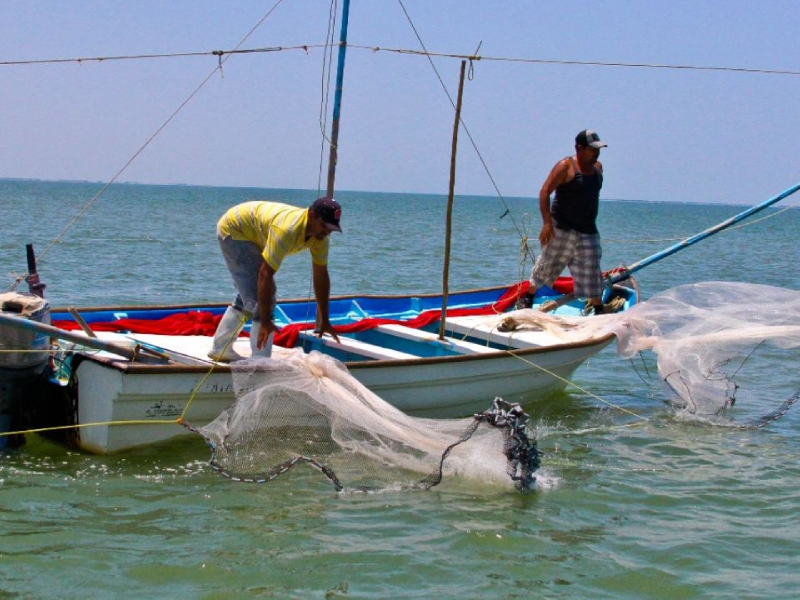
(141, 149)
(679, 238)
(404, 51)
(325, 86)
(521, 234)
(585, 63)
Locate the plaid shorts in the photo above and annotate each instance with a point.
(580, 252)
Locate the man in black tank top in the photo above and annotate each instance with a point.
(569, 235)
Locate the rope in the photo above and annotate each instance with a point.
(216, 53)
(542, 61)
(231, 339)
(463, 124)
(576, 386)
(524, 249)
(677, 239)
(406, 51)
(136, 154)
(325, 86)
(562, 379)
(82, 425)
(177, 421)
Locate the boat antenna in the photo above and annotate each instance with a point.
(337, 99)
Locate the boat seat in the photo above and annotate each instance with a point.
(474, 327)
(187, 349)
(346, 344)
(417, 335)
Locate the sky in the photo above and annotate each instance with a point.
(673, 134)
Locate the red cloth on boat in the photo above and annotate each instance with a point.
(563, 285)
(194, 322)
(198, 322)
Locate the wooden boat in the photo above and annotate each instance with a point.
(137, 383)
(389, 343)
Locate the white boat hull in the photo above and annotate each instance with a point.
(153, 398)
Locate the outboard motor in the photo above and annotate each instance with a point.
(22, 367)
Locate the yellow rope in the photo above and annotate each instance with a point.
(566, 381)
(177, 421)
(60, 427)
(228, 344)
(197, 388)
(575, 385)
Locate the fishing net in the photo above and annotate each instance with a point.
(715, 343)
(719, 342)
(308, 409)
(717, 346)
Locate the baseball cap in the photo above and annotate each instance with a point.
(587, 137)
(330, 211)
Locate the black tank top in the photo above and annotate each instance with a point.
(577, 201)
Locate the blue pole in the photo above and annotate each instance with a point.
(337, 99)
(702, 235)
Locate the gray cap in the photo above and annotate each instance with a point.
(587, 137)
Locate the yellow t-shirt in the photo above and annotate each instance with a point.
(278, 229)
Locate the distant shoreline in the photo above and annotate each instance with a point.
(437, 195)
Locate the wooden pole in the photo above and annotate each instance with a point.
(449, 221)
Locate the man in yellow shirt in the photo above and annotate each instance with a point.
(254, 238)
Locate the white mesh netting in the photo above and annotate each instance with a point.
(715, 342)
(719, 342)
(308, 408)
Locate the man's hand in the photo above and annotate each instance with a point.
(324, 328)
(546, 234)
(264, 333)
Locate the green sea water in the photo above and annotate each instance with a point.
(667, 509)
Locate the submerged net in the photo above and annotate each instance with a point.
(714, 342)
(719, 342)
(308, 409)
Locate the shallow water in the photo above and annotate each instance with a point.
(662, 508)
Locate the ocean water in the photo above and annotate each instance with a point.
(667, 509)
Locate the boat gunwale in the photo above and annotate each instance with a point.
(145, 368)
(195, 305)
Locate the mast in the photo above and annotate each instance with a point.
(449, 220)
(337, 99)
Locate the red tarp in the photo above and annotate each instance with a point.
(205, 323)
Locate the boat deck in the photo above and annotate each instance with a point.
(464, 336)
